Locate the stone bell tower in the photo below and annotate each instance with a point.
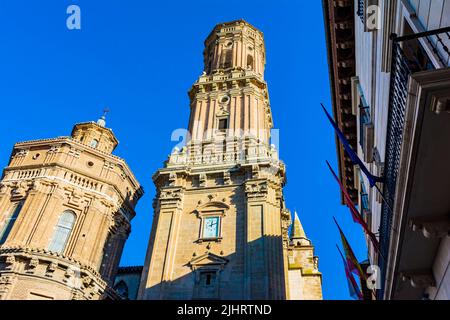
(65, 210)
(220, 227)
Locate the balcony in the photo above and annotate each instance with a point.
(366, 132)
(361, 10)
(417, 174)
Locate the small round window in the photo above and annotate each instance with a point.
(225, 99)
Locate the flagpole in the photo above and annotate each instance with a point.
(355, 159)
(383, 198)
(360, 295)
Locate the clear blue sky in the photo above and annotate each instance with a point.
(139, 58)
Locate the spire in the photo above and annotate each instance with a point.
(102, 121)
(298, 235)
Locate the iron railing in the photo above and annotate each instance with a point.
(364, 119)
(411, 53)
(360, 10)
(365, 207)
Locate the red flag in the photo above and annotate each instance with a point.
(355, 292)
(355, 213)
(352, 262)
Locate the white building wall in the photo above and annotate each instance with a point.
(422, 15)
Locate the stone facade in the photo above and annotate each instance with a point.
(220, 226)
(65, 211)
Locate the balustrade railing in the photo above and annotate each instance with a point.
(411, 53)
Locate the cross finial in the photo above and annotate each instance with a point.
(102, 121)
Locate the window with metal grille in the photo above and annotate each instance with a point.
(360, 11)
(364, 118)
(364, 197)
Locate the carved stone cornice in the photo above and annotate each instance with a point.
(171, 196)
(256, 189)
(43, 264)
(419, 278)
(436, 227)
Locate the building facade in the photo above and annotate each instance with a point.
(65, 210)
(390, 79)
(220, 227)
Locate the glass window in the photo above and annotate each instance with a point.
(223, 124)
(94, 143)
(250, 62)
(8, 224)
(208, 278)
(62, 232)
(122, 289)
(365, 207)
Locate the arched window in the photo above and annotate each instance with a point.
(94, 143)
(62, 232)
(122, 289)
(6, 228)
(228, 59)
(250, 62)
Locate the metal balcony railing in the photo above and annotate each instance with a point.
(364, 118)
(360, 10)
(411, 53)
(365, 207)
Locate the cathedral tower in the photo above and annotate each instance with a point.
(65, 210)
(220, 227)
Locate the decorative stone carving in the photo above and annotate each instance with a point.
(5, 284)
(74, 153)
(256, 189)
(10, 260)
(202, 180)
(76, 295)
(22, 153)
(172, 179)
(19, 190)
(53, 150)
(76, 198)
(226, 178)
(316, 263)
(68, 274)
(32, 265)
(419, 279)
(255, 171)
(436, 227)
(51, 268)
(3, 188)
(88, 282)
(171, 194)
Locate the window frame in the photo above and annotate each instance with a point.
(53, 242)
(9, 222)
(94, 143)
(227, 127)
